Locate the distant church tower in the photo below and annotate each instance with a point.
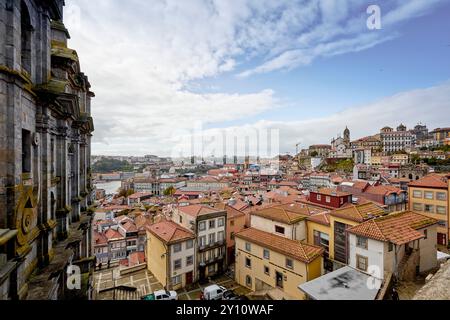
(347, 136)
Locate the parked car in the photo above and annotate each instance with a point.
(213, 292)
(161, 295)
(230, 295)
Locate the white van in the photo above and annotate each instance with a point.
(213, 292)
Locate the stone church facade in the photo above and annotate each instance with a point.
(45, 137)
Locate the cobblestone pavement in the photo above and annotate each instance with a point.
(143, 280)
(146, 283)
(194, 292)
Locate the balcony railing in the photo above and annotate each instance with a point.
(211, 245)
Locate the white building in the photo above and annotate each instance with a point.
(400, 243)
(209, 226)
(393, 141)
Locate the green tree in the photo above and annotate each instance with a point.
(170, 191)
(106, 165)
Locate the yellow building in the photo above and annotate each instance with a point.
(376, 160)
(328, 230)
(400, 158)
(318, 226)
(430, 196)
(171, 254)
(266, 262)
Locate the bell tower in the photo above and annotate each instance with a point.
(347, 136)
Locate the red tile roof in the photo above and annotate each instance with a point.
(112, 234)
(136, 258)
(233, 213)
(433, 180)
(280, 215)
(129, 226)
(170, 232)
(197, 209)
(384, 190)
(138, 195)
(398, 228)
(359, 213)
(320, 218)
(291, 248)
(100, 238)
(333, 192)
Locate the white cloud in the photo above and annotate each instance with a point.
(144, 57)
(342, 29)
(410, 107)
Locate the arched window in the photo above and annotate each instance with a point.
(26, 30)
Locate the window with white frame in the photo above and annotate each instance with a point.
(212, 224)
(429, 195)
(189, 260)
(361, 262)
(221, 222)
(248, 246)
(202, 226)
(212, 238)
(289, 263)
(189, 244)
(266, 254)
(202, 241)
(177, 264)
(361, 242)
(441, 196)
(441, 210)
(176, 280)
(177, 247)
(417, 194)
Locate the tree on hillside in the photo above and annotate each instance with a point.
(106, 165)
(170, 191)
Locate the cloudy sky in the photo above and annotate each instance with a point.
(170, 73)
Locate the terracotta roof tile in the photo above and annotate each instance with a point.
(112, 234)
(279, 214)
(359, 213)
(333, 192)
(291, 248)
(170, 232)
(233, 213)
(129, 226)
(433, 180)
(320, 218)
(100, 238)
(398, 228)
(197, 209)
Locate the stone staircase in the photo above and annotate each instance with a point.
(407, 266)
(130, 293)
